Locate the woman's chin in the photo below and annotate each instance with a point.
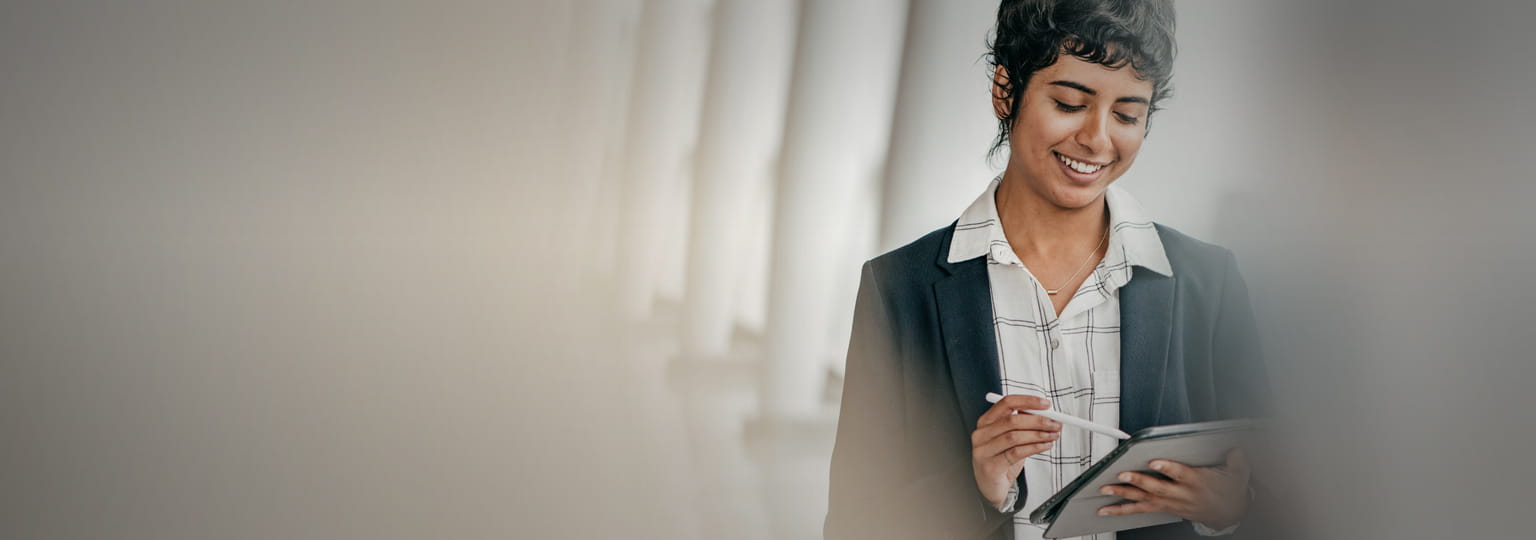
(1077, 197)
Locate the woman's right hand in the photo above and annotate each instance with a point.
(1003, 439)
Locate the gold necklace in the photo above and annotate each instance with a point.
(1080, 267)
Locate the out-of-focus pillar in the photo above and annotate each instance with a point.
(662, 130)
(847, 64)
(599, 71)
(743, 126)
(751, 307)
(944, 122)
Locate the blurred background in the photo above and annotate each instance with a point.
(579, 269)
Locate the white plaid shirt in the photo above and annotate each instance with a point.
(1074, 359)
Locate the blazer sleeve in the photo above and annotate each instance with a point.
(1243, 383)
(881, 486)
(1241, 391)
(1241, 379)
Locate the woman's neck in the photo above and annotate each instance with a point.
(1037, 228)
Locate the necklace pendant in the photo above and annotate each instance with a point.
(1051, 292)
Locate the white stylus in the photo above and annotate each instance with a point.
(993, 397)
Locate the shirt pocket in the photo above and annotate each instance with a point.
(1105, 399)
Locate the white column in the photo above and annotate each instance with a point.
(739, 139)
(944, 121)
(662, 130)
(751, 304)
(846, 70)
(595, 112)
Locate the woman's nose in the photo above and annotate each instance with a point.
(1093, 135)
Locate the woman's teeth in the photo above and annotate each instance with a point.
(1078, 165)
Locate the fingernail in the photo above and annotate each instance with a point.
(1159, 465)
(1105, 490)
(1104, 512)
(1125, 477)
(1052, 435)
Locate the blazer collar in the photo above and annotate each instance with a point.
(964, 299)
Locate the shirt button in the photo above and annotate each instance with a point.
(1055, 344)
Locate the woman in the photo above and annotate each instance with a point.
(1055, 289)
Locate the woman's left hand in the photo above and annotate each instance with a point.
(1212, 496)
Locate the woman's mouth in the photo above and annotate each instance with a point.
(1080, 170)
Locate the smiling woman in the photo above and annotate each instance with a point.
(1080, 118)
(1077, 129)
(1158, 332)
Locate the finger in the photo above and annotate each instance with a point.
(1179, 472)
(1155, 486)
(1018, 453)
(1024, 401)
(1010, 456)
(1126, 492)
(1030, 421)
(1005, 441)
(1008, 404)
(1141, 507)
(1012, 423)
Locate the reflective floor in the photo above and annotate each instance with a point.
(732, 478)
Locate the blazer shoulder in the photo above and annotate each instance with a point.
(918, 260)
(1195, 260)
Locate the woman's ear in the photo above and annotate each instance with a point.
(1000, 93)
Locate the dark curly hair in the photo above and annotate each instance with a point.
(1031, 34)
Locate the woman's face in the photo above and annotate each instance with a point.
(1079, 127)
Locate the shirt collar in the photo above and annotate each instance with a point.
(979, 231)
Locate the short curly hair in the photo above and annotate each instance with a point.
(1032, 34)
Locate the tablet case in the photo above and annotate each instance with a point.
(1073, 511)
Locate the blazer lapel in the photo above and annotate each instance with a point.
(970, 343)
(1146, 321)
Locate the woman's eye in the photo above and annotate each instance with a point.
(1069, 108)
(1127, 119)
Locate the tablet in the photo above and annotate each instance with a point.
(1073, 511)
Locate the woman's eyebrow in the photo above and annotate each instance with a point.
(1076, 86)
(1086, 90)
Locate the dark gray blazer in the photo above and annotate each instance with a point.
(923, 355)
